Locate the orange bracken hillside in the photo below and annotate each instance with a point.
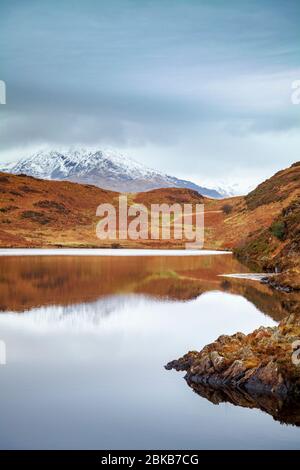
(38, 213)
(42, 213)
(276, 246)
(262, 228)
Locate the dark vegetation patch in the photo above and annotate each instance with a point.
(115, 245)
(23, 175)
(290, 217)
(52, 283)
(278, 229)
(8, 209)
(33, 275)
(34, 216)
(287, 225)
(28, 189)
(56, 206)
(227, 209)
(255, 249)
(4, 179)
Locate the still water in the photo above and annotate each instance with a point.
(87, 339)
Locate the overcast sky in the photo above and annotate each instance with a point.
(198, 88)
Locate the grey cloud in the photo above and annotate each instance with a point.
(173, 76)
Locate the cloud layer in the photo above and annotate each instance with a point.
(197, 88)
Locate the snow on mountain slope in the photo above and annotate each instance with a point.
(105, 169)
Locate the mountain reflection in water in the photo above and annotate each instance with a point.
(29, 282)
(100, 315)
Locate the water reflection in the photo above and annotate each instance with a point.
(29, 282)
(87, 339)
(285, 410)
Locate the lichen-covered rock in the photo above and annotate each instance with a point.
(261, 362)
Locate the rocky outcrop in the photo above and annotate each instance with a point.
(262, 362)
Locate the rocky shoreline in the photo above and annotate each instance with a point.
(266, 361)
(277, 286)
(287, 281)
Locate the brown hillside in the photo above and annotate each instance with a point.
(37, 213)
(42, 213)
(281, 187)
(262, 227)
(275, 245)
(169, 196)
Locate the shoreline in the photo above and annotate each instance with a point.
(107, 252)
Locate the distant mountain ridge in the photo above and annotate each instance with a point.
(103, 168)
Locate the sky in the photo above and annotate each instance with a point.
(200, 89)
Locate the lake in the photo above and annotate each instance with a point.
(87, 338)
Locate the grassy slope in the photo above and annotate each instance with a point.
(276, 245)
(40, 213)
(37, 213)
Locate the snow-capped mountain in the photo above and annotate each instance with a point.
(231, 190)
(105, 169)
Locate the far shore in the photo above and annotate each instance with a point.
(106, 252)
